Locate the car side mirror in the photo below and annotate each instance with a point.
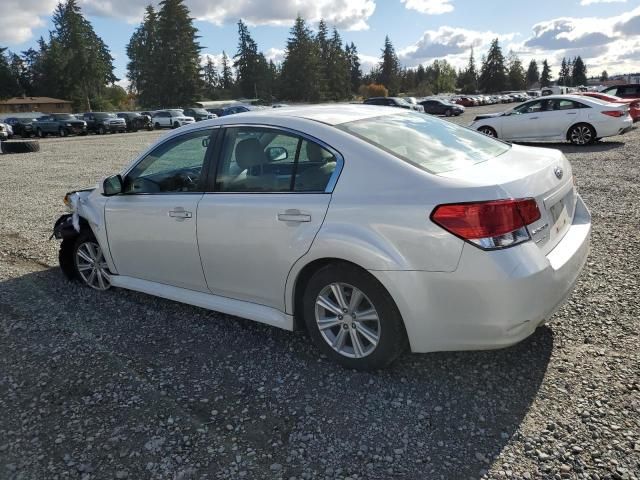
(276, 154)
(112, 185)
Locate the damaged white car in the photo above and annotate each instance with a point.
(375, 229)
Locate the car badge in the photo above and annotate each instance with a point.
(558, 171)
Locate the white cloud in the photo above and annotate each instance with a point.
(591, 2)
(344, 14)
(368, 62)
(20, 17)
(275, 54)
(429, 7)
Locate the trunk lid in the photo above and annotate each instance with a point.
(541, 173)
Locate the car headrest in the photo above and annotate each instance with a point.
(315, 153)
(249, 153)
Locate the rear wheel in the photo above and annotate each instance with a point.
(490, 132)
(62, 132)
(352, 318)
(39, 133)
(582, 134)
(101, 130)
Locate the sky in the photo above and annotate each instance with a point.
(605, 33)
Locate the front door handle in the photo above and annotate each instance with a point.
(180, 214)
(294, 215)
(572, 113)
(533, 118)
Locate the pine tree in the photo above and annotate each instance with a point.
(144, 58)
(533, 74)
(468, 78)
(355, 72)
(389, 67)
(226, 79)
(545, 76)
(516, 74)
(9, 82)
(210, 79)
(604, 76)
(338, 73)
(78, 64)
(251, 65)
(177, 59)
(324, 51)
(579, 72)
(564, 75)
(493, 76)
(300, 77)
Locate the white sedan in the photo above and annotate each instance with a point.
(375, 229)
(578, 119)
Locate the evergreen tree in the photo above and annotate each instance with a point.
(324, 51)
(210, 79)
(355, 72)
(515, 73)
(300, 77)
(78, 64)
(177, 59)
(338, 71)
(564, 75)
(604, 76)
(579, 72)
(533, 74)
(144, 58)
(493, 76)
(29, 79)
(389, 67)
(545, 76)
(226, 80)
(468, 78)
(9, 83)
(251, 65)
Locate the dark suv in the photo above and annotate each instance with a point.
(136, 121)
(62, 124)
(104, 122)
(22, 126)
(198, 114)
(623, 91)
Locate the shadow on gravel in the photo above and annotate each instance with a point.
(220, 395)
(602, 146)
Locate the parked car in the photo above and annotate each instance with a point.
(436, 106)
(6, 132)
(104, 122)
(172, 118)
(393, 102)
(634, 103)
(473, 243)
(62, 124)
(22, 126)
(136, 121)
(623, 91)
(465, 101)
(581, 120)
(199, 114)
(230, 110)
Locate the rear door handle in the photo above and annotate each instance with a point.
(180, 214)
(294, 215)
(572, 113)
(533, 118)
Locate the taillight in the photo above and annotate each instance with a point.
(489, 225)
(635, 105)
(614, 113)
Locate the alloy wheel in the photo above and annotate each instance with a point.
(347, 320)
(581, 135)
(488, 131)
(92, 266)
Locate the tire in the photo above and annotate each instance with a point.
(101, 130)
(20, 146)
(581, 134)
(74, 261)
(157, 126)
(488, 131)
(62, 132)
(84, 134)
(448, 112)
(176, 125)
(150, 128)
(39, 133)
(361, 354)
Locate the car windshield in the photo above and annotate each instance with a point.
(402, 101)
(106, 115)
(429, 143)
(176, 112)
(64, 116)
(200, 111)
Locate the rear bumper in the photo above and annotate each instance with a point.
(494, 299)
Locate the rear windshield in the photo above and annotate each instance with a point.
(64, 116)
(434, 145)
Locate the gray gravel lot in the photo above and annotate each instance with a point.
(123, 385)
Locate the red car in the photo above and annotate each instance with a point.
(634, 103)
(465, 101)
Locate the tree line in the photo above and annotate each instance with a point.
(165, 66)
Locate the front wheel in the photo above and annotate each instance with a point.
(62, 132)
(176, 125)
(488, 131)
(352, 318)
(101, 130)
(39, 133)
(448, 112)
(157, 126)
(582, 134)
(82, 259)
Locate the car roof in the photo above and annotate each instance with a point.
(331, 114)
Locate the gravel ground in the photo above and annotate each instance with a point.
(123, 385)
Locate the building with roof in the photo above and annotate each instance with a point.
(35, 104)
